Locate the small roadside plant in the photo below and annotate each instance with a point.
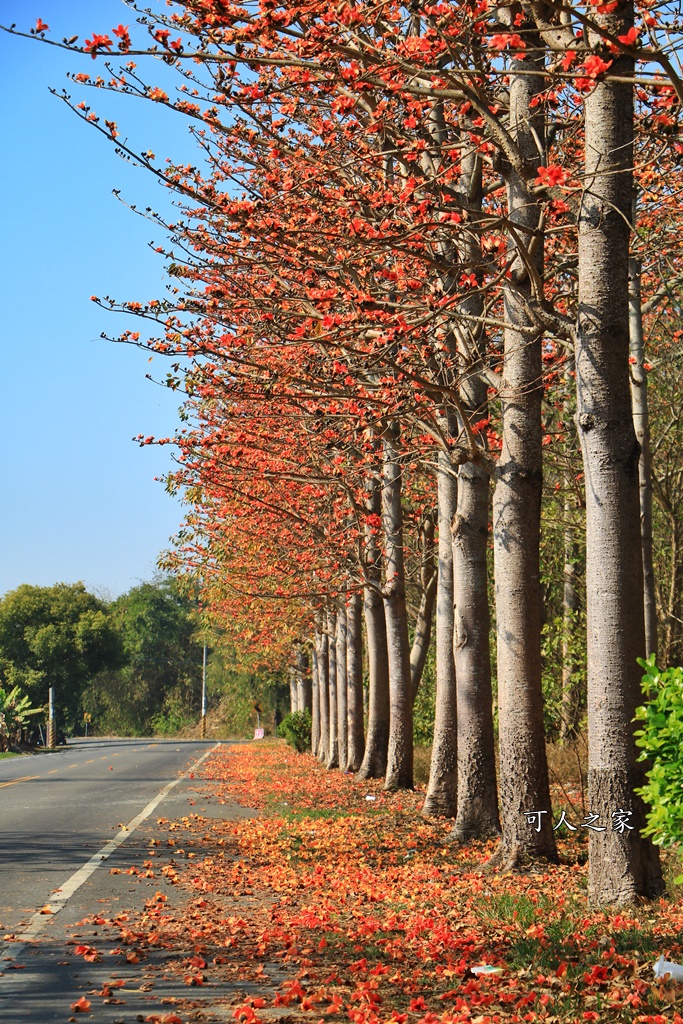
(296, 729)
(660, 738)
(15, 711)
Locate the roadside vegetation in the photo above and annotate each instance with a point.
(132, 666)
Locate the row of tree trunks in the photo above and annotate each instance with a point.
(300, 684)
(337, 736)
(462, 778)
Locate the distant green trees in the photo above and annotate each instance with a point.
(157, 687)
(58, 636)
(134, 665)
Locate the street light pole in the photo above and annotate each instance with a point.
(203, 729)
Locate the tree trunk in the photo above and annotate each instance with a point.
(425, 615)
(477, 816)
(442, 789)
(641, 425)
(293, 692)
(333, 741)
(400, 754)
(675, 603)
(477, 787)
(374, 764)
(315, 699)
(323, 695)
(621, 866)
(517, 507)
(303, 681)
(571, 605)
(342, 699)
(354, 677)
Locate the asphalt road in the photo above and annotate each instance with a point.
(63, 819)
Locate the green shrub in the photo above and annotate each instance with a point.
(661, 740)
(296, 729)
(15, 711)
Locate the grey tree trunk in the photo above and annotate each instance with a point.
(342, 698)
(354, 679)
(315, 699)
(323, 695)
(517, 505)
(374, 764)
(672, 646)
(442, 789)
(622, 866)
(303, 681)
(477, 815)
(333, 740)
(425, 615)
(400, 754)
(293, 692)
(571, 605)
(641, 425)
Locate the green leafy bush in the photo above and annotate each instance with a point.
(661, 740)
(296, 729)
(15, 711)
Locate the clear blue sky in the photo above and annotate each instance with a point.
(79, 497)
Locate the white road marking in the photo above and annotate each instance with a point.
(11, 950)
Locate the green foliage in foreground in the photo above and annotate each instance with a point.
(660, 738)
(296, 729)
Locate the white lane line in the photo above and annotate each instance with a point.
(11, 950)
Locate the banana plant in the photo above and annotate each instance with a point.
(15, 711)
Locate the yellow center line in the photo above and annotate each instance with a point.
(103, 758)
(53, 771)
(25, 778)
(91, 761)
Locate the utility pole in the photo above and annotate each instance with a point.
(51, 725)
(203, 727)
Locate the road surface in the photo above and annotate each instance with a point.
(63, 819)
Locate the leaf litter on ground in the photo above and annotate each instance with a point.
(328, 905)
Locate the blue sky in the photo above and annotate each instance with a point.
(80, 501)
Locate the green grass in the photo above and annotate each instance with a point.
(525, 952)
(9, 753)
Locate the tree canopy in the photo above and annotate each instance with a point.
(60, 636)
